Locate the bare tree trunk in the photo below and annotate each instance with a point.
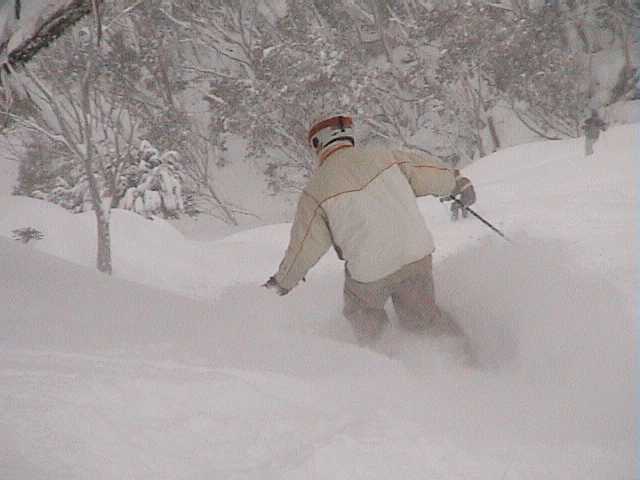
(489, 117)
(625, 78)
(103, 260)
(494, 133)
(380, 28)
(627, 41)
(163, 73)
(101, 210)
(591, 86)
(477, 116)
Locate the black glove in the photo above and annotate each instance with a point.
(464, 191)
(273, 284)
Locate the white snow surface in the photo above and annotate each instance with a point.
(181, 366)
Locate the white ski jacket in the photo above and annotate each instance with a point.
(363, 202)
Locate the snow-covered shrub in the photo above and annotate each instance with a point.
(155, 185)
(26, 234)
(148, 182)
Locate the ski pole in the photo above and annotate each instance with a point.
(479, 218)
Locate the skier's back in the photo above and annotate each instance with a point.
(363, 202)
(365, 198)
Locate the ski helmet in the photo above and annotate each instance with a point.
(337, 130)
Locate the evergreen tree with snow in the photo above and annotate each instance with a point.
(155, 184)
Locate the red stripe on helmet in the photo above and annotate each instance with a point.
(346, 122)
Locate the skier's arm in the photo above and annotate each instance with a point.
(310, 240)
(426, 175)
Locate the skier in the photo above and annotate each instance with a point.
(363, 202)
(592, 127)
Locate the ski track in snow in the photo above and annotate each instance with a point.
(103, 378)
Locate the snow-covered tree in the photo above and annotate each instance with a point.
(149, 183)
(517, 57)
(154, 186)
(67, 116)
(621, 18)
(189, 75)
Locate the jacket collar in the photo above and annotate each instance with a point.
(333, 149)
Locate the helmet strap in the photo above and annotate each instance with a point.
(339, 139)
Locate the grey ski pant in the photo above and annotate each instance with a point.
(410, 289)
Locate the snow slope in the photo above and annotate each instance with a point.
(180, 366)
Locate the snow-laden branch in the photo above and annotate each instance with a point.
(208, 71)
(123, 13)
(42, 27)
(497, 5)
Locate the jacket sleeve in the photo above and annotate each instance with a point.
(426, 175)
(310, 240)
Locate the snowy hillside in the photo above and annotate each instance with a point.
(181, 366)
